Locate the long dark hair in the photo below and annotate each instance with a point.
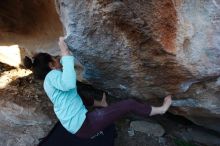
(40, 64)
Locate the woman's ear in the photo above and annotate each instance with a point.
(51, 65)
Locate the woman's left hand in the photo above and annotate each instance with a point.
(63, 47)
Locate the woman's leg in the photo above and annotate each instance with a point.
(101, 118)
(101, 103)
(162, 109)
(90, 101)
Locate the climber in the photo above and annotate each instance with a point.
(60, 85)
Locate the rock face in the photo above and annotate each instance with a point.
(146, 49)
(21, 126)
(26, 114)
(33, 25)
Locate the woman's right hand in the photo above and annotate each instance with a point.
(63, 47)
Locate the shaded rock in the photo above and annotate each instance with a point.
(32, 25)
(21, 126)
(23, 118)
(198, 136)
(182, 129)
(13, 114)
(147, 128)
(139, 138)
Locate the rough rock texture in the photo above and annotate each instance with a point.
(21, 126)
(26, 114)
(146, 49)
(119, 48)
(149, 128)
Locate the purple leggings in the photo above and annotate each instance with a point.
(99, 119)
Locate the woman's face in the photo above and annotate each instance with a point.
(56, 62)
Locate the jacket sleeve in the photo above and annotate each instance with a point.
(66, 79)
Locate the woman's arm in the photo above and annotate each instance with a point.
(66, 79)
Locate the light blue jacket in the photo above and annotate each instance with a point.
(60, 86)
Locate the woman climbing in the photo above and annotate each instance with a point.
(60, 85)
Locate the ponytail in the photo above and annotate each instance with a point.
(28, 62)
